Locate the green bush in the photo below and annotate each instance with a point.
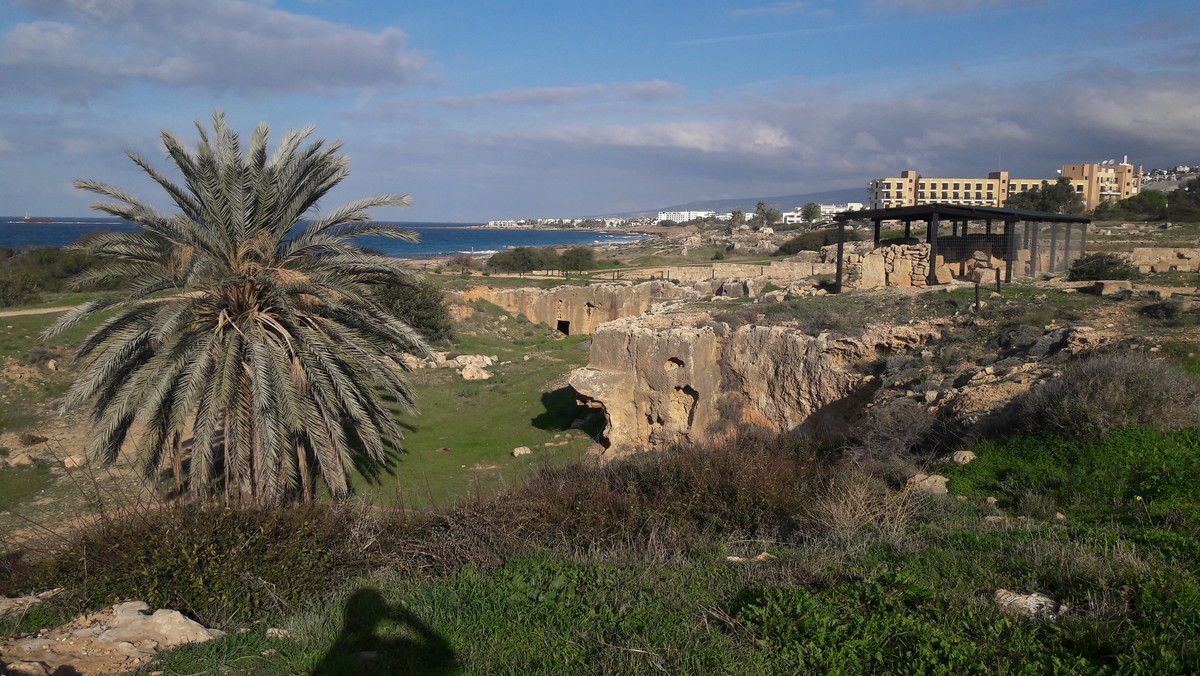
(27, 272)
(1105, 392)
(814, 241)
(216, 565)
(1101, 266)
(422, 305)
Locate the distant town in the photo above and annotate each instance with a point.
(1095, 184)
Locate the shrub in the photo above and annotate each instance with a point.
(217, 565)
(675, 501)
(422, 305)
(30, 439)
(813, 241)
(718, 255)
(1104, 392)
(893, 439)
(854, 500)
(1101, 266)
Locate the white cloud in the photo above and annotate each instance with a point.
(775, 9)
(945, 6)
(652, 90)
(736, 136)
(85, 47)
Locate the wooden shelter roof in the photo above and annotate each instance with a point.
(944, 211)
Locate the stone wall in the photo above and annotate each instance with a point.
(666, 378)
(789, 269)
(583, 308)
(1165, 259)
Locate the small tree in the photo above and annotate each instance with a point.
(578, 259)
(737, 218)
(463, 262)
(811, 211)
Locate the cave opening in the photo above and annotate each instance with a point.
(564, 327)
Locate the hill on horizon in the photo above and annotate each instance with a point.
(747, 204)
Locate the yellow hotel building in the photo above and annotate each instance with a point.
(1095, 183)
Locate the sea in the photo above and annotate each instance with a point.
(437, 239)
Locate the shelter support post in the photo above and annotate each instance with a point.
(877, 222)
(1034, 268)
(907, 228)
(841, 248)
(931, 235)
(1053, 248)
(1010, 246)
(1066, 249)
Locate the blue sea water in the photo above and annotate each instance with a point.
(437, 239)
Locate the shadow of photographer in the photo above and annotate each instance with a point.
(410, 647)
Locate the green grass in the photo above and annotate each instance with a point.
(18, 484)
(481, 422)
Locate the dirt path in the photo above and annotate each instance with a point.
(36, 311)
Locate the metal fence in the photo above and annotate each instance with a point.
(1035, 248)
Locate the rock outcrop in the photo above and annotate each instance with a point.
(114, 641)
(578, 309)
(669, 378)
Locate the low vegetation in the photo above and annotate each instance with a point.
(29, 274)
(623, 567)
(814, 240)
(1101, 266)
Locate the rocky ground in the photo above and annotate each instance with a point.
(116, 640)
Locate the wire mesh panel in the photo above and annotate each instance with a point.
(1036, 248)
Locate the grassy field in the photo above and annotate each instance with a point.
(907, 590)
(460, 445)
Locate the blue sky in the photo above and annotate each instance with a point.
(485, 110)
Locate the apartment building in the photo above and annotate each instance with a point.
(1105, 182)
(1095, 183)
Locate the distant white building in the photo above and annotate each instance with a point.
(827, 210)
(683, 216)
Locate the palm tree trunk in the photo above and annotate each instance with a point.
(228, 493)
(177, 462)
(305, 481)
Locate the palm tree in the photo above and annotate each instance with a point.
(254, 334)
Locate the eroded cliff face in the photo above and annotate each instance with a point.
(670, 378)
(578, 309)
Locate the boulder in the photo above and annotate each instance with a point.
(928, 483)
(473, 372)
(962, 457)
(21, 460)
(132, 623)
(1110, 287)
(1035, 606)
(521, 450)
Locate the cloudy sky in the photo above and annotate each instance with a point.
(485, 110)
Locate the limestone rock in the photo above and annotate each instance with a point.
(521, 450)
(1109, 287)
(473, 360)
(664, 379)
(578, 309)
(167, 628)
(18, 605)
(117, 640)
(962, 457)
(928, 483)
(1036, 606)
(21, 460)
(474, 372)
